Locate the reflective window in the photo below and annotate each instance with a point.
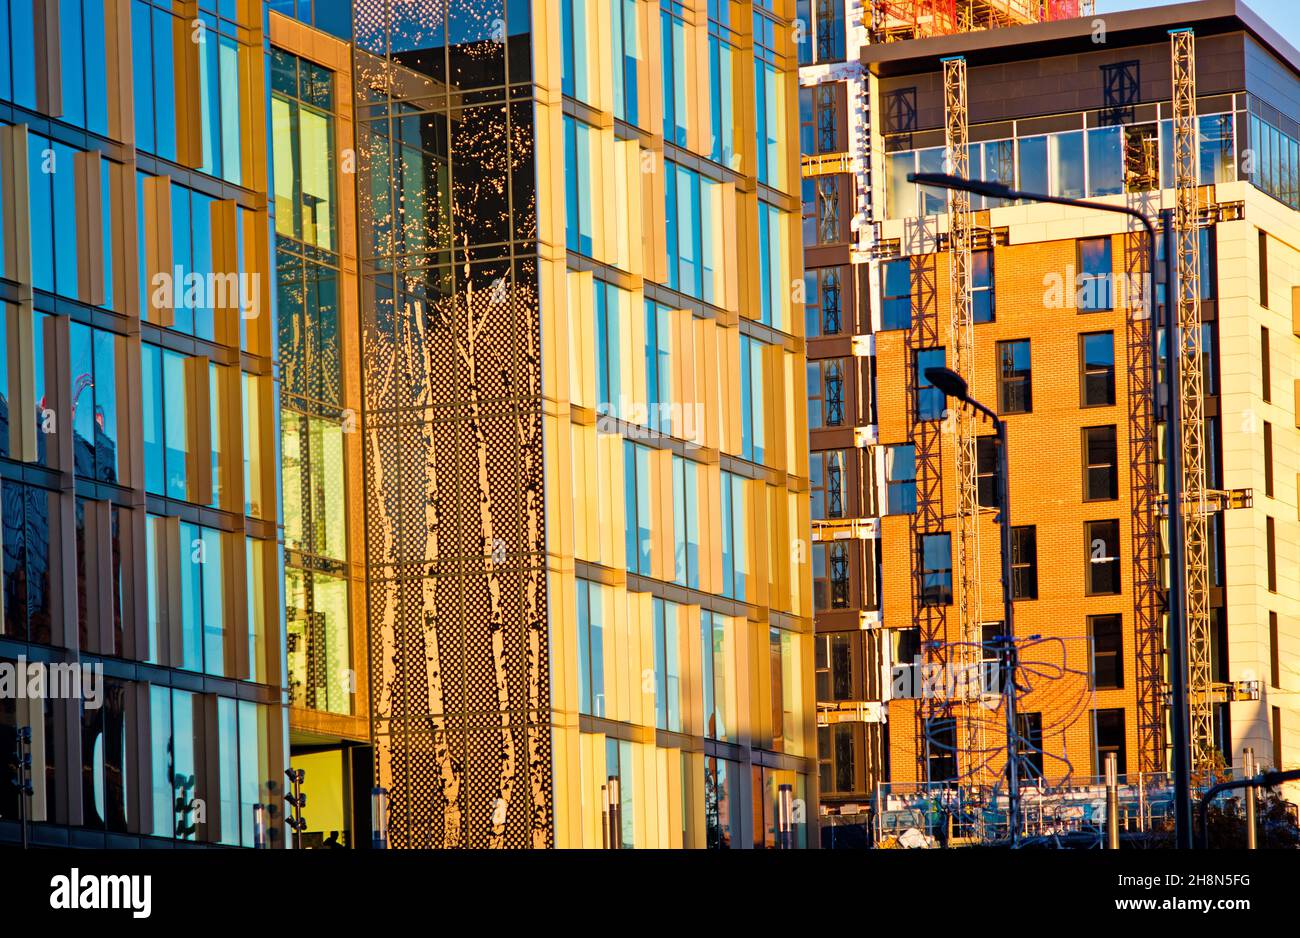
(303, 132)
(830, 576)
(982, 286)
(637, 485)
(574, 43)
(823, 302)
(723, 62)
(578, 158)
(1102, 543)
(1097, 369)
(936, 569)
(752, 395)
(1105, 161)
(1015, 378)
(694, 207)
(658, 368)
(769, 107)
(1031, 153)
(900, 479)
(826, 483)
(930, 401)
(591, 648)
(1065, 160)
(993, 161)
(97, 362)
(319, 643)
(613, 305)
(1095, 274)
(173, 390)
(105, 764)
(42, 168)
(668, 677)
(1141, 158)
(686, 526)
(933, 201)
(721, 804)
(29, 577)
(773, 295)
(896, 295)
(826, 393)
(900, 195)
(718, 676)
(735, 536)
(313, 485)
(675, 56)
(624, 33)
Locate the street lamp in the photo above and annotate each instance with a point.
(1173, 469)
(954, 385)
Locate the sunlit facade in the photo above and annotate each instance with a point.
(139, 393)
(583, 423)
(1062, 350)
(312, 159)
(471, 465)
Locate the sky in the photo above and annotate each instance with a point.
(1279, 14)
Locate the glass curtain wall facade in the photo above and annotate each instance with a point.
(313, 162)
(676, 428)
(588, 618)
(139, 396)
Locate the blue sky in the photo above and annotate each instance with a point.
(1279, 14)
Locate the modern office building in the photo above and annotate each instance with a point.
(139, 454)
(582, 423)
(415, 392)
(1053, 318)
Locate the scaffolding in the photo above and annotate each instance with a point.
(1195, 505)
(966, 557)
(1148, 590)
(894, 20)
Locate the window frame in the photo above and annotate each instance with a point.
(1008, 381)
(1086, 437)
(1086, 371)
(1112, 561)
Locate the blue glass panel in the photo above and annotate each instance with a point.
(164, 83)
(73, 84)
(191, 577)
(40, 165)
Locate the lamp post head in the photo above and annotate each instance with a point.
(993, 190)
(949, 382)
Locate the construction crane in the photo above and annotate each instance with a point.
(966, 561)
(1196, 504)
